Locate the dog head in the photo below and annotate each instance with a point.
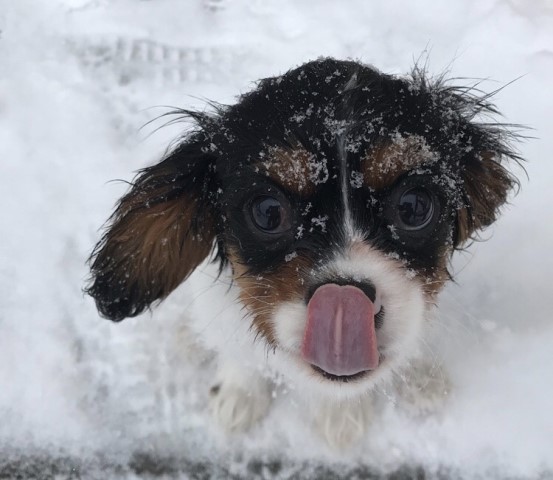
(335, 194)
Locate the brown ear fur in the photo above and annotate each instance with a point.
(160, 232)
(487, 184)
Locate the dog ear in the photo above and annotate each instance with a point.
(487, 184)
(161, 230)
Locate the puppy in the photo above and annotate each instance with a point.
(313, 223)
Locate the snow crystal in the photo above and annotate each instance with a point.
(320, 222)
(356, 180)
(298, 117)
(334, 126)
(318, 171)
(290, 256)
(393, 231)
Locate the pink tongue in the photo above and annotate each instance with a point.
(340, 337)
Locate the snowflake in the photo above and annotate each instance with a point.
(319, 222)
(290, 256)
(356, 180)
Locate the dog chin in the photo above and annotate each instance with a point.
(404, 311)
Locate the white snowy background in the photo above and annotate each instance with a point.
(82, 396)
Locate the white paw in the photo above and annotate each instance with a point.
(423, 389)
(237, 402)
(343, 423)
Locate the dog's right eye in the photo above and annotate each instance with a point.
(268, 215)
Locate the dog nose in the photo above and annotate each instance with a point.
(365, 286)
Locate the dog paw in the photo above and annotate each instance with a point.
(424, 389)
(341, 424)
(238, 403)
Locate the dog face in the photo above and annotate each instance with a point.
(335, 195)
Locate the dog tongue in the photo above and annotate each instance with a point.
(340, 336)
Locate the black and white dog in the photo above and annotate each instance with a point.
(330, 199)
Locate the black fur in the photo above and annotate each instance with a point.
(318, 106)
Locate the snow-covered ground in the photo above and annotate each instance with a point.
(78, 78)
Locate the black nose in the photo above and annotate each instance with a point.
(366, 287)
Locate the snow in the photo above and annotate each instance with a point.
(79, 80)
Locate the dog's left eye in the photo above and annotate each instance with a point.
(415, 209)
(269, 215)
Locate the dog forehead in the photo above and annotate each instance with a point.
(379, 165)
(308, 104)
(328, 119)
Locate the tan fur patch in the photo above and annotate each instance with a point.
(487, 185)
(263, 294)
(464, 228)
(386, 162)
(155, 246)
(296, 169)
(435, 278)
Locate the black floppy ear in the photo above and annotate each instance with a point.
(161, 230)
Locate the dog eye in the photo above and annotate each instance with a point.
(269, 215)
(415, 209)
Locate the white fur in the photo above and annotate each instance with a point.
(341, 409)
(240, 397)
(404, 312)
(342, 423)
